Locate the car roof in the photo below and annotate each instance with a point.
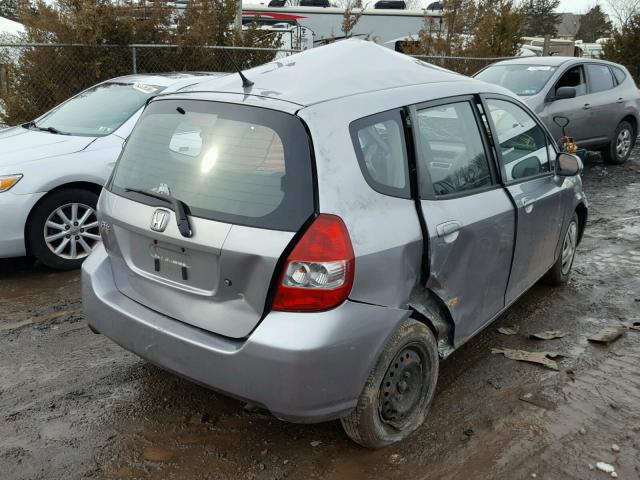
(553, 61)
(342, 69)
(172, 81)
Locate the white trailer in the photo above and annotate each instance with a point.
(325, 23)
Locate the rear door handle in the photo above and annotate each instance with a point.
(587, 106)
(447, 228)
(527, 204)
(620, 100)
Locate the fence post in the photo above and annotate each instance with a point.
(4, 79)
(134, 59)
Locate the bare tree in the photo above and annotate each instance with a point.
(351, 18)
(623, 11)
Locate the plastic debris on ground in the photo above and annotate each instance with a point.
(632, 325)
(607, 335)
(508, 330)
(605, 467)
(548, 335)
(542, 358)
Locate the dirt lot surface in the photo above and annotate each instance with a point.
(74, 405)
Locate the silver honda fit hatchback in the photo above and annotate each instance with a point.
(317, 246)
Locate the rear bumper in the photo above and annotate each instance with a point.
(301, 367)
(15, 210)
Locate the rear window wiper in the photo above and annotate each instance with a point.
(44, 129)
(179, 207)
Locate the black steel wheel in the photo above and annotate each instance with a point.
(403, 386)
(396, 397)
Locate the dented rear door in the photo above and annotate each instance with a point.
(469, 217)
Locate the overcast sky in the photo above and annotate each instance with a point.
(579, 6)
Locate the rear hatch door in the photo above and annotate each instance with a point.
(244, 175)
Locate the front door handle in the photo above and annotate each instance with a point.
(447, 228)
(620, 100)
(587, 106)
(527, 204)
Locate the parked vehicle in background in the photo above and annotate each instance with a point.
(599, 98)
(589, 50)
(314, 247)
(556, 46)
(325, 23)
(52, 169)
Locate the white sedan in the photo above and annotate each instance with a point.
(52, 169)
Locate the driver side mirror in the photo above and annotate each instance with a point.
(568, 165)
(564, 92)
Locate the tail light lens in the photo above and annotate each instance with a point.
(318, 274)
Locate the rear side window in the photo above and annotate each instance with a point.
(231, 163)
(619, 74)
(452, 154)
(599, 77)
(380, 146)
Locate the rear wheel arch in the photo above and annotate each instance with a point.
(581, 211)
(428, 308)
(88, 186)
(633, 121)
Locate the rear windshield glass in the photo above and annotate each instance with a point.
(522, 80)
(227, 162)
(99, 110)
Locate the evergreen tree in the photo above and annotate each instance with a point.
(593, 25)
(498, 29)
(623, 47)
(540, 18)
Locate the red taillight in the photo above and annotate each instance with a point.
(318, 274)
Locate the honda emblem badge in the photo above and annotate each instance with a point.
(159, 220)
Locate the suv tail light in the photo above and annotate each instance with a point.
(318, 274)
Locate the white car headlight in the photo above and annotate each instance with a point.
(8, 181)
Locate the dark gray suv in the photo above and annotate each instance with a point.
(599, 98)
(317, 247)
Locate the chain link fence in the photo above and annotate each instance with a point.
(464, 65)
(36, 77)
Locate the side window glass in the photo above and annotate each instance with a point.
(380, 147)
(522, 141)
(452, 149)
(619, 74)
(599, 77)
(574, 77)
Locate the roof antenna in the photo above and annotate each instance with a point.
(246, 83)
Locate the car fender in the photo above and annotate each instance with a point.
(92, 165)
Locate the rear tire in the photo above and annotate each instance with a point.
(620, 147)
(561, 270)
(398, 393)
(63, 228)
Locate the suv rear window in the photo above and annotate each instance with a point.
(232, 163)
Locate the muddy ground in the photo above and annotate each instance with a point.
(74, 405)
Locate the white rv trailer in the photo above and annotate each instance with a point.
(325, 23)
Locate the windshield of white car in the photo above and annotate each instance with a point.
(523, 80)
(97, 111)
